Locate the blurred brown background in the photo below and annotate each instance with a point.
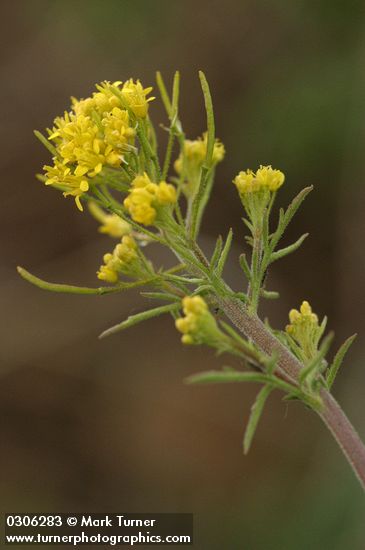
(109, 425)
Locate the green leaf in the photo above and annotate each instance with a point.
(248, 349)
(161, 296)
(202, 289)
(201, 197)
(217, 252)
(48, 145)
(210, 118)
(337, 362)
(286, 217)
(271, 362)
(140, 317)
(255, 415)
(231, 376)
(225, 252)
(173, 120)
(288, 249)
(244, 266)
(315, 364)
(72, 289)
(163, 92)
(269, 294)
(225, 376)
(242, 296)
(248, 224)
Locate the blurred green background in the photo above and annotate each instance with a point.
(109, 425)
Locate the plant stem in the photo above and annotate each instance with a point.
(345, 435)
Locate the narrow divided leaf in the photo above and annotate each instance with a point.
(256, 412)
(248, 349)
(173, 115)
(223, 257)
(337, 362)
(244, 266)
(72, 289)
(231, 376)
(140, 317)
(286, 217)
(269, 294)
(166, 296)
(163, 92)
(217, 252)
(48, 145)
(201, 196)
(288, 249)
(225, 376)
(210, 118)
(316, 363)
(202, 289)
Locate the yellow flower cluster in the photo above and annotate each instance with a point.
(119, 261)
(194, 153)
(304, 329)
(192, 158)
(97, 132)
(111, 224)
(145, 197)
(195, 309)
(265, 178)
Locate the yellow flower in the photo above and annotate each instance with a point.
(126, 251)
(111, 224)
(95, 133)
(139, 205)
(146, 197)
(119, 261)
(265, 179)
(304, 316)
(195, 151)
(135, 96)
(61, 175)
(305, 329)
(194, 308)
(117, 131)
(198, 326)
(101, 102)
(106, 272)
(165, 193)
(79, 140)
(191, 160)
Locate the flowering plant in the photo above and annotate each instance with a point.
(105, 155)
